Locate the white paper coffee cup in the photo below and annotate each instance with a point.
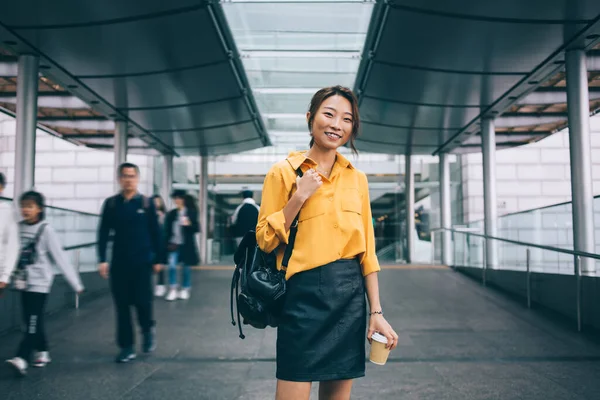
(379, 354)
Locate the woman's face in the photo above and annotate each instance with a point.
(332, 125)
(30, 211)
(157, 203)
(178, 202)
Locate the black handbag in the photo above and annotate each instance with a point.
(263, 286)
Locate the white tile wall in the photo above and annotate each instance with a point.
(530, 176)
(70, 176)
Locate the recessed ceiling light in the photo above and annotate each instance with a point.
(10, 43)
(593, 36)
(94, 102)
(559, 62)
(44, 66)
(72, 86)
(112, 115)
(513, 98)
(534, 82)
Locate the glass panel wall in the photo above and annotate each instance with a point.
(74, 228)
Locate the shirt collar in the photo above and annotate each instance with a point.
(137, 195)
(297, 158)
(249, 200)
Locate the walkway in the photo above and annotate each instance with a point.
(457, 341)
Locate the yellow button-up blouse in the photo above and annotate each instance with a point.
(334, 223)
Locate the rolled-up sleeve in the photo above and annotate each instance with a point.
(369, 261)
(270, 229)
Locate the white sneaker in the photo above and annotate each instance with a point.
(172, 295)
(160, 290)
(184, 294)
(41, 358)
(19, 365)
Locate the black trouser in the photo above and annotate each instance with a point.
(131, 285)
(34, 337)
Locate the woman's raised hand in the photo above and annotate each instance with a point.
(309, 183)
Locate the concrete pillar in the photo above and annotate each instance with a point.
(27, 94)
(490, 201)
(445, 210)
(409, 194)
(203, 208)
(167, 180)
(120, 147)
(581, 163)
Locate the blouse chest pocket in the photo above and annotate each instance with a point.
(351, 201)
(312, 208)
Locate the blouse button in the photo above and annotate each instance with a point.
(335, 225)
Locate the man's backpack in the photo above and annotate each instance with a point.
(27, 256)
(263, 287)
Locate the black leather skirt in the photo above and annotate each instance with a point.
(322, 330)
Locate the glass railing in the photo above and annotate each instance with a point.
(77, 233)
(550, 226)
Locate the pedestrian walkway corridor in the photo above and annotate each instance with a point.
(457, 341)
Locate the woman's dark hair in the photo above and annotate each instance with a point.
(2, 180)
(38, 199)
(190, 203)
(162, 207)
(326, 93)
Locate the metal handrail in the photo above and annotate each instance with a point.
(576, 253)
(77, 249)
(527, 244)
(79, 246)
(57, 208)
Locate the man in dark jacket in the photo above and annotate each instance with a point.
(136, 251)
(245, 217)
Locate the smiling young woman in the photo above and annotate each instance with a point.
(322, 329)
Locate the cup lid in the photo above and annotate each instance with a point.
(379, 337)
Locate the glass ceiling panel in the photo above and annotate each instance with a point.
(290, 49)
(273, 103)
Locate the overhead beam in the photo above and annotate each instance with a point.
(509, 137)
(40, 94)
(66, 118)
(545, 97)
(83, 136)
(509, 120)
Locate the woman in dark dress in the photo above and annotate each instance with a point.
(322, 329)
(181, 226)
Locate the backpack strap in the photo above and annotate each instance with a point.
(39, 233)
(293, 231)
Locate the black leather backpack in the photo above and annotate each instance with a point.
(258, 286)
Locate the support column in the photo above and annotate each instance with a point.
(409, 195)
(579, 147)
(167, 179)
(120, 147)
(490, 205)
(27, 94)
(445, 210)
(203, 207)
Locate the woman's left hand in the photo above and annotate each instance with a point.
(377, 323)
